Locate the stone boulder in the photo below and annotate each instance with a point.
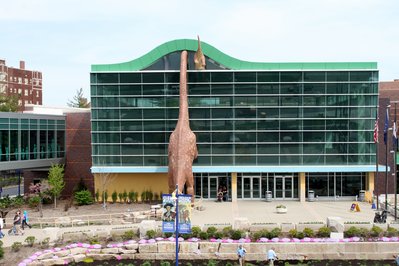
(336, 224)
(145, 226)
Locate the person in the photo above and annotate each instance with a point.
(224, 190)
(169, 215)
(396, 259)
(25, 221)
(17, 223)
(1, 227)
(271, 256)
(241, 255)
(220, 195)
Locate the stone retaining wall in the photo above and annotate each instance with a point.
(164, 250)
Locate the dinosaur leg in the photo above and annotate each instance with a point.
(171, 182)
(190, 186)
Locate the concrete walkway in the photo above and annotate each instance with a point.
(255, 211)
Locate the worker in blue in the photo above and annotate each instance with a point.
(241, 255)
(271, 256)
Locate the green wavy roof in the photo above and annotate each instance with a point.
(222, 58)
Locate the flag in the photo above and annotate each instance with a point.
(394, 132)
(376, 131)
(386, 126)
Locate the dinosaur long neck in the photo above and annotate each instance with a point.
(183, 103)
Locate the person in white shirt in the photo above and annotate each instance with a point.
(1, 227)
(241, 255)
(271, 256)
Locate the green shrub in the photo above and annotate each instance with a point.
(218, 235)
(149, 195)
(167, 235)
(114, 196)
(146, 263)
(30, 240)
(211, 231)
(83, 197)
(236, 234)
(204, 235)
(275, 232)
(164, 263)
(104, 196)
(97, 195)
(16, 246)
(131, 196)
(34, 201)
(195, 231)
(308, 232)
(352, 231)
(151, 234)
(212, 262)
(324, 232)
(128, 235)
(376, 231)
(143, 196)
(364, 232)
(120, 197)
(293, 233)
(45, 243)
(124, 196)
(391, 232)
(227, 231)
(156, 196)
(300, 235)
(1, 250)
(186, 236)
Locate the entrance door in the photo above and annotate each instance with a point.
(283, 187)
(251, 188)
(213, 187)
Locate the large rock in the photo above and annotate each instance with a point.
(132, 246)
(75, 251)
(209, 247)
(166, 247)
(241, 223)
(147, 225)
(188, 247)
(148, 248)
(110, 250)
(78, 257)
(102, 256)
(336, 224)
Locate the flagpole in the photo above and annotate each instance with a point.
(386, 131)
(395, 144)
(376, 135)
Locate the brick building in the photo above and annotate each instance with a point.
(26, 84)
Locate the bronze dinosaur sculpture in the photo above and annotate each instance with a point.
(199, 58)
(182, 149)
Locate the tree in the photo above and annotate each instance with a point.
(9, 103)
(41, 190)
(105, 179)
(56, 181)
(78, 100)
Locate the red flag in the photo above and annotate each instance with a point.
(376, 131)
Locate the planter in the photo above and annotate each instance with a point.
(281, 210)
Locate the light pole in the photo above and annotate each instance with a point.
(386, 138)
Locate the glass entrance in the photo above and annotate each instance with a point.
(251, 188)
(213, 187)
(283, 187)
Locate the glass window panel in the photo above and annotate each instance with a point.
(313, 136)
(268, 124)
(130, 89)
(24, 145)
(93, 78)
(93, 90)
(245, 124)
(33, 144)
(313, 159)
(314, 112)
(173, 89)
(268, 160)
(155, 160)
(268, 76)
(291, 76)
(315, 100)
(43, 144)
(199, 89)
(336, 136)
(361, 76)
(203, 160)
(107, 78)
(130, 77)
(107, 90)
(293, 88)
(196, 113)
(198, 76)
(314, 124)
(337, 88)
(337, 124)
(105, 149)
(222, 137)
(360, 112)
(204, 148)
(222, 113)
(245, 112)
(222, 89)
(290, 159)
(51, 146)
(337, 100)
(245, 76)
(204, 137)
(172, 102)
(337, 76)
(154, 113)
(245, 137)
(222, 148)
(245, 148)
(153, 78)
(60, 143)
(222, 76)
(153, 89)
(268, 136)
(171, 124)
(336, 148)
(222, 160)
(108, 137)
(199, 124)
(245, 101)
(154, 125)
(290, 112)
(221, 125)
(172, 77)
(154, 137)
(160, 149)
(361, 88)
(245, 160)
(314, 88)
(268, 88)
(336, 159)
(173, 113)
(290, 101)
(290, 124)
(125, 125)
(245, 88)
(267, 100)
(290, 136)
(268, 148)
(312, 148)
(314, 76)
(336, 112)
(132, 160)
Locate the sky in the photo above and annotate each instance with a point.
(62, 39)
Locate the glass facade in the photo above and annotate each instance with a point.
(240, 118)
(23, 138)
